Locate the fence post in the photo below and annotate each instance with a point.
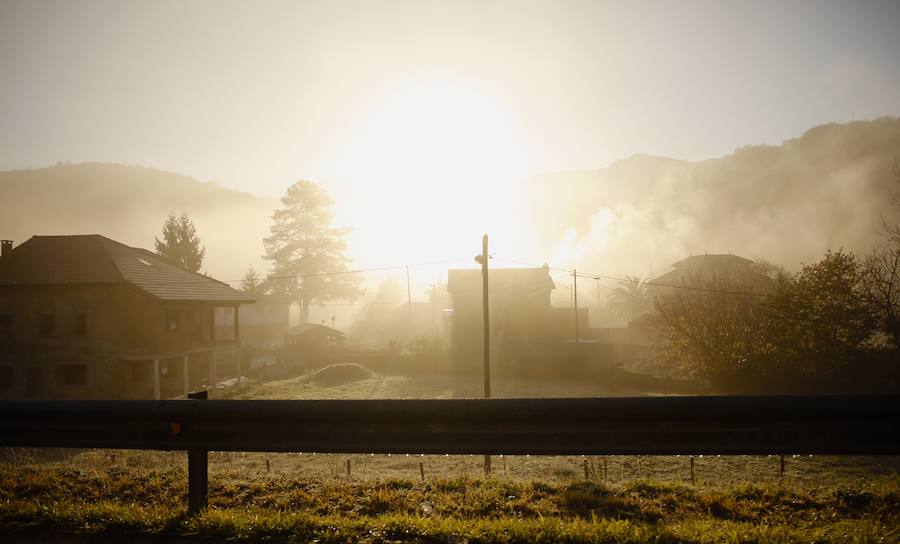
(198, 471)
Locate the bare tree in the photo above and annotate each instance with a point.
(892, 227)
(881, 285)
(715, 332)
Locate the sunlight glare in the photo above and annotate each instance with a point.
(434, 165)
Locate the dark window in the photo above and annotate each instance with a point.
(172, 319)
(7, 376)
(81, 324)
(6, 323)
(46, 325)
(71, 374)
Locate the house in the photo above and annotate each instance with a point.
(635, 345)
(84, 316)
(312, 343)
(263, 323)
(519, 305)
(312, 336)
(710, 271)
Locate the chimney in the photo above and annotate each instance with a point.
(7, 247)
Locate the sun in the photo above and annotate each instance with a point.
(434, 165)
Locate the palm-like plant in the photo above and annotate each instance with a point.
(631, 299)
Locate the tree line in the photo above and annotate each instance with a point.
(833, 326)
(306, 251)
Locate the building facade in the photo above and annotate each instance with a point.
(519, 305)
(85, 316)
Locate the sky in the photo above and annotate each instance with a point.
(255, 95)
(410, 111)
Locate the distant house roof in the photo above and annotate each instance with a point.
(95, 259)
(706, 267)
(313, 329)
(713, 261)
(528, 280)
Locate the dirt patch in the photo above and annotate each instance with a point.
(340, 374)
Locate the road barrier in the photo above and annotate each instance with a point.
(745, 425)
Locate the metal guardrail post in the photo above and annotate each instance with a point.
(198, 471)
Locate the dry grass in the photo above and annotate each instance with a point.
(307, 497)
(134, 501)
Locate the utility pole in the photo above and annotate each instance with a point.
(487, 321)
(434, 313)
(487, 331)
(575, 291)
(409, 299)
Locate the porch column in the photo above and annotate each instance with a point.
(240, 363)
(212, 371)
(237, 323)
(156, 379)
(187, 386)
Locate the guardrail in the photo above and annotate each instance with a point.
(589, 426)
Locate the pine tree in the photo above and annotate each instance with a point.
(306, 251)
(251, 282)
(180, 243)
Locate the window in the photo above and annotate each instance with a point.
(71, 374)
(172, 319)
(46, 325)
(7, 377)
(81, 324)
(6, 323)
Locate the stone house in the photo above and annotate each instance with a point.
(84, 316)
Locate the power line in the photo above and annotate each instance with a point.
(651, 283)
(203, 279)
(567, 271)
(359, 270)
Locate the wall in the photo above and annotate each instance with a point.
(119, 318)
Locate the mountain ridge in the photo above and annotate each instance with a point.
(789, 202)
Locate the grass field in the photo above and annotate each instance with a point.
(305, 497)
(125, 503)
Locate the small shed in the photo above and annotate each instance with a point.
(315, 336)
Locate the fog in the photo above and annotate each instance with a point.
(826, 189)
(612, 139)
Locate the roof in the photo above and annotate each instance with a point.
(313, 329)
(715, 260)
(528, 280)
(92, 259)
(700, 268)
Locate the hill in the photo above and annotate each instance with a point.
(788, 203)
(129, 204)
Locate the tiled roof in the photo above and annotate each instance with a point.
(95, 259)
(707, 260)
(698, 269)
(313, 329)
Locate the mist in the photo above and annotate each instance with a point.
(825, 190)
